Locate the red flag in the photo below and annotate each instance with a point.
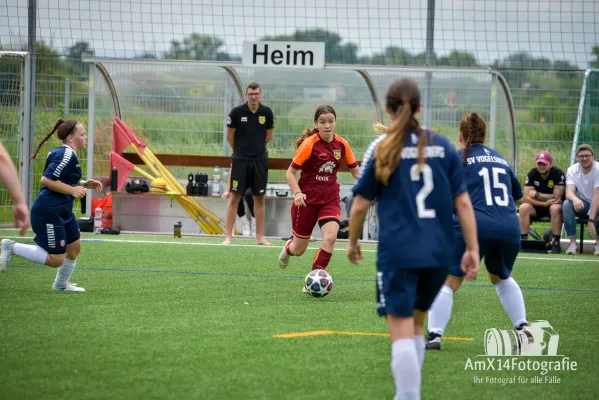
(120, 139)
(141, 146)
(123, 166)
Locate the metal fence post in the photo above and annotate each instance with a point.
(428, 59)
(227, 105)
(91, 120)
(26, 132)
(31, 47)
(67, 95)
(493, 111)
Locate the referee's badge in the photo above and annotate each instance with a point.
(262, 119)
(337, 154)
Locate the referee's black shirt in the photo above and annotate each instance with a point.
(250, 131)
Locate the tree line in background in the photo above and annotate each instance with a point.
(554, 99)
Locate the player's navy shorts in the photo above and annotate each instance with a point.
(499, 256)
(402, 290)
(54, 230)
(304, 218)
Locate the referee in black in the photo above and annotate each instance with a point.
(249, 129)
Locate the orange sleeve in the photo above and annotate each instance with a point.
(350, 159)
(303, 152)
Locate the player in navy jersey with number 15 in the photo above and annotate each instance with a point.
(494, 191)
(52, 218)
(417, 179)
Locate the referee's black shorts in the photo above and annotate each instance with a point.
(251, 174)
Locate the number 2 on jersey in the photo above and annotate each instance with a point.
(427, 188)
(502, 200)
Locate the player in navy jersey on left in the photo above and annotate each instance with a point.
(52, 218)
(416, 179)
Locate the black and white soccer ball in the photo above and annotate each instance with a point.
(319, 283)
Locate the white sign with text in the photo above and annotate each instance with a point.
(283, 54)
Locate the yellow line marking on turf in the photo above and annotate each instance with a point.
(321, 333)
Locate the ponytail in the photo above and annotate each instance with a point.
(474, 130)
(380, 128)
(388, 151)
(311, 130)
(59, 122)
(62, 127)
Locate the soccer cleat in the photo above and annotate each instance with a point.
(305, 290)
(5, 253)
(523, 334)
(596, 252)
(433, 341)
(523, 328)
(68, 288)
(284, 257)
(572, 249)
(555, 247)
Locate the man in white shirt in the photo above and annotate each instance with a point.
(582, 177)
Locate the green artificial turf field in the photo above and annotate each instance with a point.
(166, 318)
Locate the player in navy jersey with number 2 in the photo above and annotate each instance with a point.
(416, 178)
(52, 218)
(494, 191)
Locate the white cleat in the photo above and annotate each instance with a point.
(596, 252)
(573, 249)
(67, 288)
(5, 253)
(305, 290)
(284, 257)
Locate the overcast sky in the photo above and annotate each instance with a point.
(488, 28)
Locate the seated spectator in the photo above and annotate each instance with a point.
(544, 192)
(582, 177)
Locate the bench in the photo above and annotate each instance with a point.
(182, 160)
(582, 221)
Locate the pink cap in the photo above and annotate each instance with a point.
(545, 158)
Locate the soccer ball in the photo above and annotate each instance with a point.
(319, 283)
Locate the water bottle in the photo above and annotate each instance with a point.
(97, 220)
(177, 229)
(216, 181)
(114, 178)
(225, 179)
(372, 229)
